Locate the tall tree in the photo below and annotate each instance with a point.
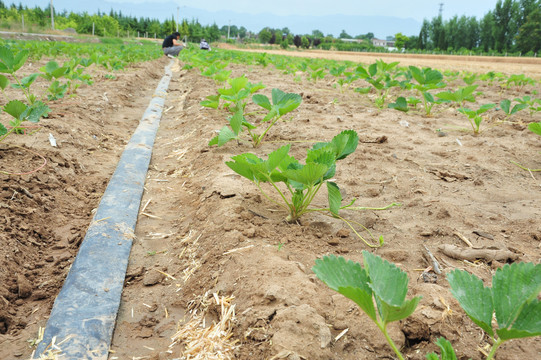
(486, 32)
(529, 36)
(438, 33)
(424, 35)
(505, 26)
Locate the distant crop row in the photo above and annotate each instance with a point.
(406, 89)
(63, 80)
(510, 309)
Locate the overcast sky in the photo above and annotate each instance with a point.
(416, 9)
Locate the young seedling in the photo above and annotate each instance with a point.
(462, 95)
(505, 105)
(512, 299)
(379, 289)
(240, 89)
(428, 79)
(534, 105)
(380, 76)
(53, 71)
(303, 182)
(282, 103)
(35, 109)
(475, 116)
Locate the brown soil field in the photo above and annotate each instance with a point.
(204, 230)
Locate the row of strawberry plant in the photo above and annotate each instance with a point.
(380, 288)
(62, 79)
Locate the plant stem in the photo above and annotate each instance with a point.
(26, 93)
(371, 208)
(383, 329)
(288, 207)
(495, 347)
(260, 138)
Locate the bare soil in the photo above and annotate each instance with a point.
(205, 230)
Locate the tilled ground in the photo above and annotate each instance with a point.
(204, 230)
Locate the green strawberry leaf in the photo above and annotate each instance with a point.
(535, 128)
(262, 100)
(347, 278)
(6, 60)
(277, 95)
(20, 59)
(15, 108)
(243, 165)
(213, 141)
(388, 282)
(345, 143)
(4, 82)
(276, 157)
(236, 121)
(308, 175)
(505, 106)
(513, 286)
(35, 112)
(288, 102)
(401, 104)
(335, 197)
(225, 135)
(527, 324)
(395, 313)
(474, 298)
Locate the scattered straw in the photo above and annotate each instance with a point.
(213, 342)
(151, 216)
(53, 350)
(238, 249)
(166, 274)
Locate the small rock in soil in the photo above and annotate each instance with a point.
(152, 278)
(333, 241)
(343, 233)
(24, 287)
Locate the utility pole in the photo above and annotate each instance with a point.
(178, 18)
(52, 15)
(441, 8)
(228, 27)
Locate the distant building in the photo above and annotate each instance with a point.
(383, 43)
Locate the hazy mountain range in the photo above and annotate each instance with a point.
(381, 26)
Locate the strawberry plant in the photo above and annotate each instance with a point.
(475, 116)
(512, 300)
(303, 181)
(282, 103)
(427, 80)
(34, 110)
(534, 105)
(381, 76)
(462, 95)
(380, 288)
(505, 105)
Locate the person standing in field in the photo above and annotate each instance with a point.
(171, 44)
(204, 45)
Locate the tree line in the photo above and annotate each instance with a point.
(109, 24)
(512, 26)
